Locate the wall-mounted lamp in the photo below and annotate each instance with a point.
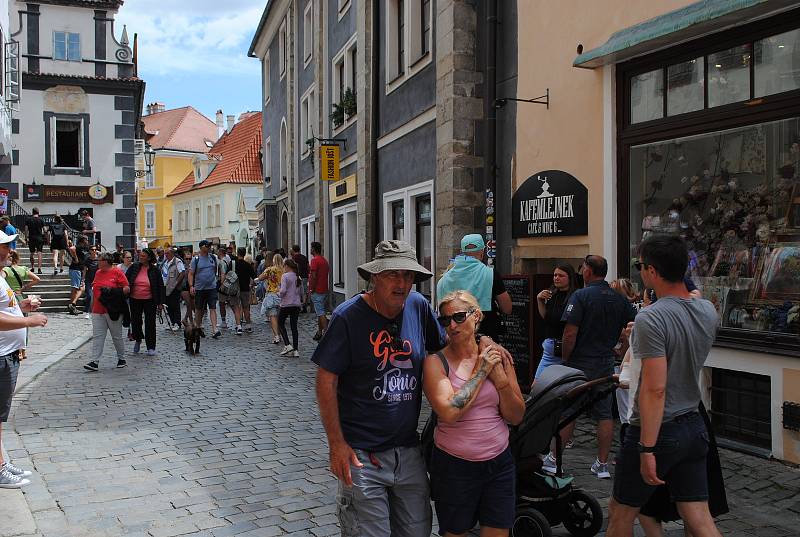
(544, 99)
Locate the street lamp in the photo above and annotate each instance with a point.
(149, 157)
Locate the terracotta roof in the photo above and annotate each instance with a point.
(239, 158)
(182, 129)
(131, 79)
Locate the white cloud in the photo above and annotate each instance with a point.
(191, 36)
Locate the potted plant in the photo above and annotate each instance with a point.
(349, 102)
(337, 115)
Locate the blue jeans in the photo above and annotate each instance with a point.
(547, 357)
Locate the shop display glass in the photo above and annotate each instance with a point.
(729, 75)
(685, 87)
(735, 196)
(647, 96)
(777, 64)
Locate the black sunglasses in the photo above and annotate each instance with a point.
(638, 265)
(459, 317)
(394, 332)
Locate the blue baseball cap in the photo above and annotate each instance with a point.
(472, 243)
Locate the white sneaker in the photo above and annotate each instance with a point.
(287, 350)
(549, 464)
(11, 481)
(296, 353)
(600, 469)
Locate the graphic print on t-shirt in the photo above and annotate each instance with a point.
(395, 382)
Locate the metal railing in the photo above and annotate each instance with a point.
(19, 215)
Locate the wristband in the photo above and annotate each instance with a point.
(646, 449)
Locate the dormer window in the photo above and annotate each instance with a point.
(203, 166)
(198, 176)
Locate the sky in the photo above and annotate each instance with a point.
(194, 52)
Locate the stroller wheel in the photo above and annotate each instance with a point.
(583, 516)
(530, 523)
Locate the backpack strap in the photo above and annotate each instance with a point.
(16, 275)
(445, 363)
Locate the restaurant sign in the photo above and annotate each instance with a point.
(551, 203)
(96, 193)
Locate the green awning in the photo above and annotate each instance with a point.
(681, 25)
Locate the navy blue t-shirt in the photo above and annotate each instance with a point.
(600, 313)
(380, 389)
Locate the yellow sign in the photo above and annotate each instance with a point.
(98, 192)
(329, 156)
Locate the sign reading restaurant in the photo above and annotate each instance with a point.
(549, 204)
(97, 193)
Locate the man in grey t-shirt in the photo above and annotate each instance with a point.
(667, 441)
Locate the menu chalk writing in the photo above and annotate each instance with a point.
(518, 336)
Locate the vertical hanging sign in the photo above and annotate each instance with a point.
(329, 157)
(491, 244)
(3, 199)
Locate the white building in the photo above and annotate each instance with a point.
(82, 102)
(9, 92)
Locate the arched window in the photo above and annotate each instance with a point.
(284, 161)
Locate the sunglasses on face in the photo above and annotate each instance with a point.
(638, 265)
(459, 317)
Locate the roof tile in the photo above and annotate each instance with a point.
(181, 129)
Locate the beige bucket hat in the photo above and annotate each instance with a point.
(394, 255)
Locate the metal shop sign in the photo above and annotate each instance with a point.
(329, 157)
(549, 204)
(96, 193)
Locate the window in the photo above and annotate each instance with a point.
(426, 26)
(197, 217)
(740, 407)
(149, 180)
(344, 85)
(170, 224)
(209, 215)
(308, 33)
(353, 67)
(777, 68)
(283, 156)
(340, 271)
(398, 221)
(149, 218)
(282, 49)
(308, 234)
(266, 78)
(66, 46)
(345, 232)
(424, 236)
(307, 121)
(409, 34)
(268, 161)
(217, 214)
(68, 143)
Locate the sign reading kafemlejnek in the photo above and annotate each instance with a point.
(549, 204)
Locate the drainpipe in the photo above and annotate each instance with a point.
(376, 201)
(490, 137)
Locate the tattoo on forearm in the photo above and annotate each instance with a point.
(463, 396)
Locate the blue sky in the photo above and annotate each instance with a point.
(194, 52)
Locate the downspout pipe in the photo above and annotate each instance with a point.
(376, 122)
(490, 112)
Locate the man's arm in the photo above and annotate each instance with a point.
(568, 340)
(12, 322)
(652, 392)
(341, 454)
(312, 279)
(504, 303)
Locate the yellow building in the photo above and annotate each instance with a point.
(176, 136)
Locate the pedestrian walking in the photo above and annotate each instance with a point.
(550, 304)
(173, 273)
(186, 296)
(289, 292)
(9, 229)
(34, 232)
(13, 334)
(246, 274)
(147, 297)
(109, 310)
(318, 287)
(58, 243)
(118, 254)
(475, 396)
(272, 300)
(667, 441)
(127, 261)
(302, 274)
(18, 277)
(369, 385)
(78, 254)
(595, 317)
(224, 266)
(89, 271)
(469, 273)
(89, 228)
(203, 286)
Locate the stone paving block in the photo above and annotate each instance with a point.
(235, 529)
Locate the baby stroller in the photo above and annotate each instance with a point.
(543, 500)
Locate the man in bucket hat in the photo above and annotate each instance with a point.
(369, 391)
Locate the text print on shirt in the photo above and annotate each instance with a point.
(392, 384)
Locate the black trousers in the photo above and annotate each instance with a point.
(292, 312)
(174, 306)
(148, 309)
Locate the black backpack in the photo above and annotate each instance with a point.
(426, 438)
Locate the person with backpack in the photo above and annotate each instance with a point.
(289, 292)
(203, 286)
(246, 274)
(58, 243)
(229, 292)
(223, 268)
(147, 295)
(78, 254)
(34, 232)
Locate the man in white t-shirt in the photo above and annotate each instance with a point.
(13, 330)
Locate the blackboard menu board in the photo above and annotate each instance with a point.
(518, 333)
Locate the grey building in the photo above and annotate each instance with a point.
(401, 88)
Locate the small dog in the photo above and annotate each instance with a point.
(191, 337)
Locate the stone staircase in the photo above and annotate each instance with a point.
(54, 290)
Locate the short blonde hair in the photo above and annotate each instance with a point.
(277, 260)
(465, 297)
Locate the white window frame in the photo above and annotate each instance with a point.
(283, 49)
(267, 78)
(283, 156)
(268, 160)
(209, 214)
(345, 286)
(307, 120)
(54, 143)
(217, 214)
(344, 55)
(308, 33)
(344, 7)
(149, 179)
(308, 234)
(414, 60)
(149, 210)
(66, 46)
(198, 217)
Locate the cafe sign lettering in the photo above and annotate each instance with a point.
(549, 204)
(96, 194)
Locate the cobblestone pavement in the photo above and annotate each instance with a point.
(229, 443)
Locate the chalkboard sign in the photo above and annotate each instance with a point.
(518, 336)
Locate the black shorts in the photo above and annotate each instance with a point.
(681, 452)
(58, 244)
(9, 369)
(466, 492)
(601, 409)
(205, 298)
(35, 244)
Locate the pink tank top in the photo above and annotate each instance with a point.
(481, 433)
(141, 286)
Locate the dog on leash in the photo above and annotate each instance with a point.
(191, 337)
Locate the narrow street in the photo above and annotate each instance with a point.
(229, 443)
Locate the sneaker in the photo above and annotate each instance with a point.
(137, 346)
(11, 481)
(72, 309)
(87, 316)
(39, 271)
(287, 350)
(296, 353)
(55, 272)
(92, 366)
(276, 340)
(19, 472)
(549, 464)
(151, 352)
(248, 329)
(600, 469)
(239, 331)
(216, 335)
(176, 327)
(121, 363)
(317, 336)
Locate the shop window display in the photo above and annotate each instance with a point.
(735, 196)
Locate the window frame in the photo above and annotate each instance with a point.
(339, 80)
(267, 165)
(283, 49)
(308, 36)
(308, 234)
(307, 120)
(267, 78)
(776, 107)
(338, 247)
(67, 57)
(343, 8)
(198, 214)
(150, 209)
(404, 61)
(50, 143)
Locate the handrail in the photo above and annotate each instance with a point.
(19, 215)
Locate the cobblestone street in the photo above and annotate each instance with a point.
(229, 443)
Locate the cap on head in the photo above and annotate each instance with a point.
(5, 239)
(472, 243)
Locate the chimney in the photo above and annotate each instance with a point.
(220, 124)
(231, 122)
(155, 108)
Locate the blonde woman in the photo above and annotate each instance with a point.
(18, 277)
(272, 300)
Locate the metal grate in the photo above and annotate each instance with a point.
(791, 416)
(740, 407)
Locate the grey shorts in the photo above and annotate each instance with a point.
(9, 369)
(228, 300)
(391, 497)
(244, 300)
(602, 407)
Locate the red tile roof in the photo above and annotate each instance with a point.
(181, 129)
(239, 158)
